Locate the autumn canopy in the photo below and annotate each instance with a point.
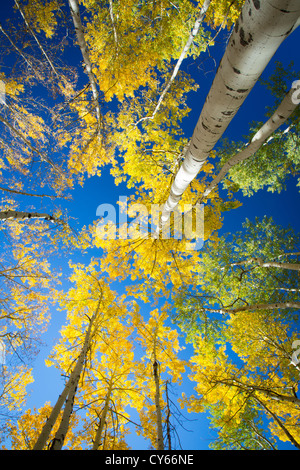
(154, 313)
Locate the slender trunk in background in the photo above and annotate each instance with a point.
(259, 31)
(100, 428)
(184, 51)
(273, 306)
(160, 438)
(19, 215)
(268, 264)
(74, 7)
(168, 418)
(36, 39)
(280, 424)
(70, 386)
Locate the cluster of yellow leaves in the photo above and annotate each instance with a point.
(266, 377)
(41, 15)
(13, 386)
(224, 13)
(149, 33)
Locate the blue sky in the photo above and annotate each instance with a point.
(283, 207)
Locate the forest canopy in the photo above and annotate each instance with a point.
(135, 136)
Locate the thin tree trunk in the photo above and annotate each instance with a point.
(19, 134)
(72, 382)
(272, 306)
(280, 424)
(96, 443)
(20, 215)
(36, 39)
(18, 50)
(74, 7)
(168, 418)
(25, 193)
(60, 435)
(259, 31)
(282, 113)
(111, 14)
(184, 51)
(269, 264)
(269, 393)
(160, 438)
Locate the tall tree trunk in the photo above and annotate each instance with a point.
(20, 215)
(74, 7)
(184, 51)
(168, 418)
(70, 386)
(259, 31)
(36, 39)
(160, 438)
(99, 432)
(269, 264)
(60, 435)
(282, 113)
(272, 306)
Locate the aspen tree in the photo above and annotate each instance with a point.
(67, 393)
(282, 113)
(102, 419)
(74, 8)
(259, 31)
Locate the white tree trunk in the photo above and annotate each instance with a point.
(273, 306)
(159, 428)
(74, 7)
(282, 113)
(36, 39)
(70, 386)
(259, 31)
(100, 428)
(269, 264)
(20, 215)
(184, 51)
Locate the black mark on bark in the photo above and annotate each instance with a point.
(243, 40)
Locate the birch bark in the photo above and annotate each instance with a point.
(269, 264)
(282, 113)
(96, 443)
(184, 51)
(74, 7)
(272, 306)
(20, 215)
(259, 31)
(69, 387)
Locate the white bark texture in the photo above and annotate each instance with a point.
(68, 390)
(282, 113)
(273, 306)
(74, 8)
(184, 51)
(97, 441)
(261, 28)
(269, 264)
(20, 215)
